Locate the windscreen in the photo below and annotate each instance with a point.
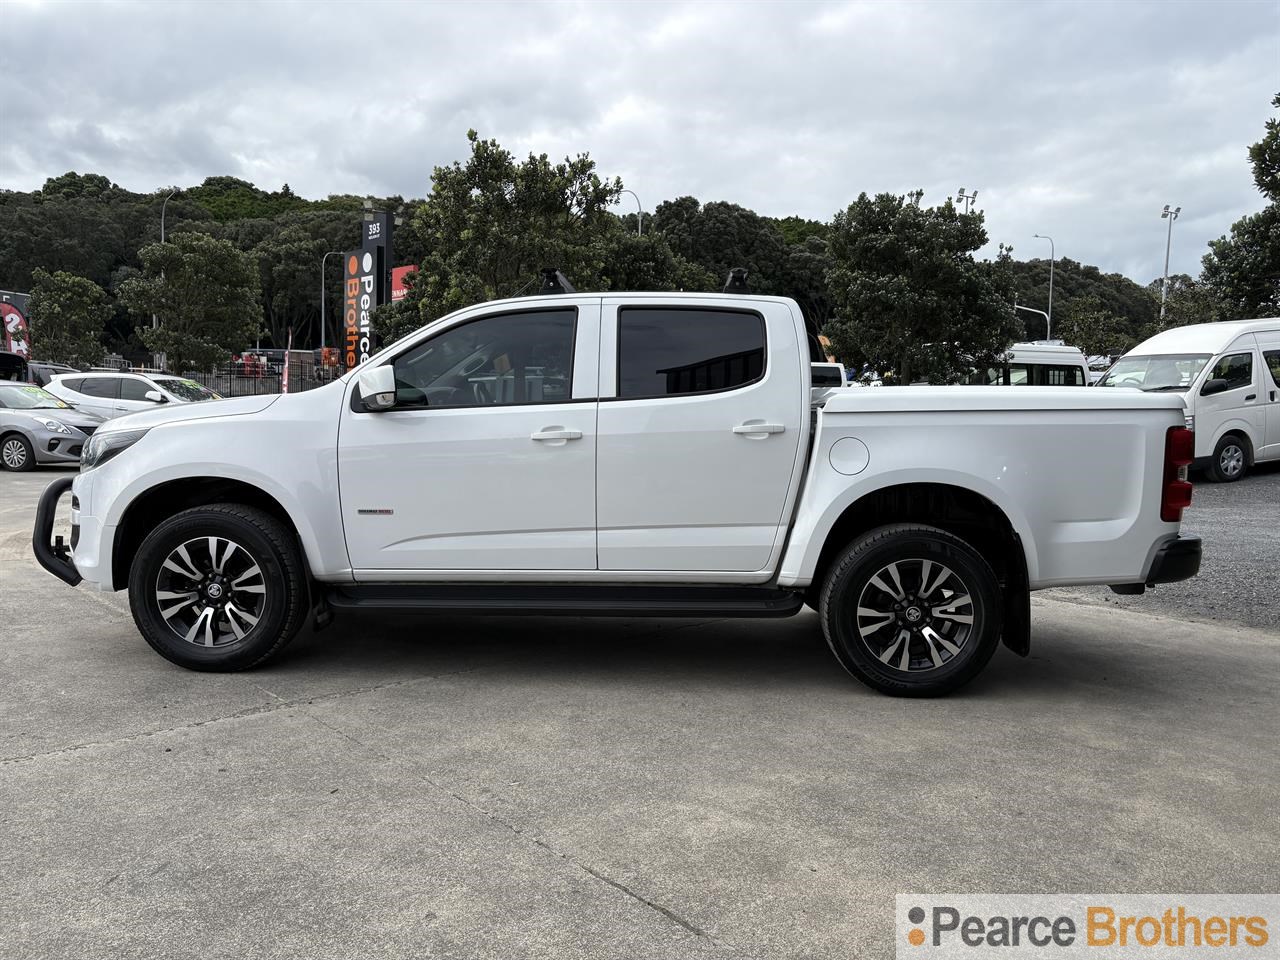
(29, 397)
(185, 389)
(1161, 372)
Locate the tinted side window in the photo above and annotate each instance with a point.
(131, 389)
(107, 387)
(73, 384)
(664, 351)
(499, 360)
(1236, 369)
(1273, 364)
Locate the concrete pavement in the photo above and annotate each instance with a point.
(505, 788)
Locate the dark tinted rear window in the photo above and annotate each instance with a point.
(664, 352)
(107, 387)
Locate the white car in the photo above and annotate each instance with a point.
(113, 394)
(628, 454)
(1228, 377)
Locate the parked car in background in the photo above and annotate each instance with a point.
(1037, 365)
(114, 394)
(41, 373)
(1229, 378)
(13, 367)
(37, 427)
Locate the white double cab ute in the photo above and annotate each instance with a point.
(110, 393)
(1228, 377)
(627, 454)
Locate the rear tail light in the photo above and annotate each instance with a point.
(1175, 494)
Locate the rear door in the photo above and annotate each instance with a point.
(97, 395)
(702, 408)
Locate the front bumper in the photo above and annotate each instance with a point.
(1178, 559)
(54, 556)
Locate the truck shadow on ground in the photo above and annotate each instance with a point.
(787, 654)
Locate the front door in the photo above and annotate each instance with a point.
(1239, 408)
(1270, 346)
(487, 461)
(701, 414)
(133, 395)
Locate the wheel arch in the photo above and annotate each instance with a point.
(959, 510)
(169, 497)
(1236, 428)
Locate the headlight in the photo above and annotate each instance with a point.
(1190, 422)
(57, 426)
(101, 447)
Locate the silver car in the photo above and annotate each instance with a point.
(37, 427)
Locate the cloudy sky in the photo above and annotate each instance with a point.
(1079, 120)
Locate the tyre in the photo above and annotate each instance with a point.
(912, 610)
(219, 587)
(16, 453)
(1229, 461)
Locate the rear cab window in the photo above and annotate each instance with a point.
(674, 351)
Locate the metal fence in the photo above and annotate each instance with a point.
(235, 380)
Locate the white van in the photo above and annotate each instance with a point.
(1037, 365)
(1229, 377)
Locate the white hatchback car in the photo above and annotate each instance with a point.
(114, 394)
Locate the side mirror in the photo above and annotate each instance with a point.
(377, 388)
(155, 396)
(1213, 386)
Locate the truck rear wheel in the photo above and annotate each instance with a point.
(218, 587)
(912, 610)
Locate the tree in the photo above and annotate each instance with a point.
(1243, 271)
(68, 315)
(1186, 301)
(1089, 325)
(205, 293)
(907, 293)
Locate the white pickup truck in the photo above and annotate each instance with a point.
(628, 454)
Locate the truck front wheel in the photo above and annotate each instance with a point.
(219, 587)
(911, 610)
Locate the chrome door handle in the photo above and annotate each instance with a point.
(756, 426)
(556, 434)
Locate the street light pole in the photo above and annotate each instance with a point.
(639, 212)
(324, 260)
(1048, 317)
(155, 321)
(1034, 310)
(1170, 215)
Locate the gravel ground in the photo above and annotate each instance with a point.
(1240, 525)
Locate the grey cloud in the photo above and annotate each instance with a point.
(1075, 119)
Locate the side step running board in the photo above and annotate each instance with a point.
(588, 600)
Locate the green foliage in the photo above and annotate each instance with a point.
(227, 198)
(205, 294)
(68, 315)
(1187, 301)
(1087, 323)
(1265, 157)
(1076, 283)
(1243, 270)
(908, 294)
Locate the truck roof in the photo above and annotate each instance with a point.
(1208, 338)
